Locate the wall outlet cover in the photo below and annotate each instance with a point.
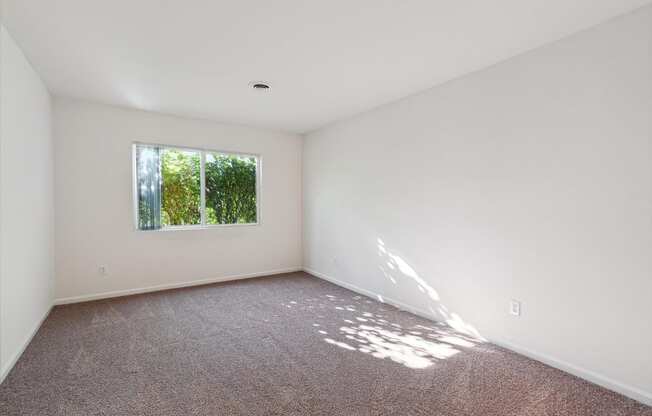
(515, 307)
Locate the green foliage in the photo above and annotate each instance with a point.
(181, 187)
(146, 216)
(230, 189)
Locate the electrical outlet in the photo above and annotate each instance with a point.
(103, 270)
(514, 307)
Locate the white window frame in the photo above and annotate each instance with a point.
(202, 190)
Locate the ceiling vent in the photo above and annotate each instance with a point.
(260, 86)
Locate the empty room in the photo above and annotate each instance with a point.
(356, 208)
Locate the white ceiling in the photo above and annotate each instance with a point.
(326, 60)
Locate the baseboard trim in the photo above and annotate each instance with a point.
(12, 362)
(157, 288)
(401, 305)
(588, 375)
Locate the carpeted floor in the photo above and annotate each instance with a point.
(285, 345)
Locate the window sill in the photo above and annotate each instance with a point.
(196, 227)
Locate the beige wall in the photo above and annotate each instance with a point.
(530, 180)
(94, 205)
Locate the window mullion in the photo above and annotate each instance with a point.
(202, 183)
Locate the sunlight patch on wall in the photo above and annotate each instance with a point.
(396, 268)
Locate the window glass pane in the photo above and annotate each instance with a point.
(148, 187)
(180, 190)
(230, 189)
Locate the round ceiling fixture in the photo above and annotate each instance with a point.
(260, 86)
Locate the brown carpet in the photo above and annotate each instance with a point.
(285, 345)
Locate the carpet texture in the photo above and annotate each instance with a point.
(284, 345)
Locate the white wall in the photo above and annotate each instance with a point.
(529, 180)
(94, 206)
(26, 203)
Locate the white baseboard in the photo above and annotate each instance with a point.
(588, 375)
(136, 291)
(591, 376)
(401, 305)
(14, 359)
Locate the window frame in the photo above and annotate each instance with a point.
(202, 186)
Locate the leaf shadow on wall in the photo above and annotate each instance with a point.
(356, 323)
(400, 272)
